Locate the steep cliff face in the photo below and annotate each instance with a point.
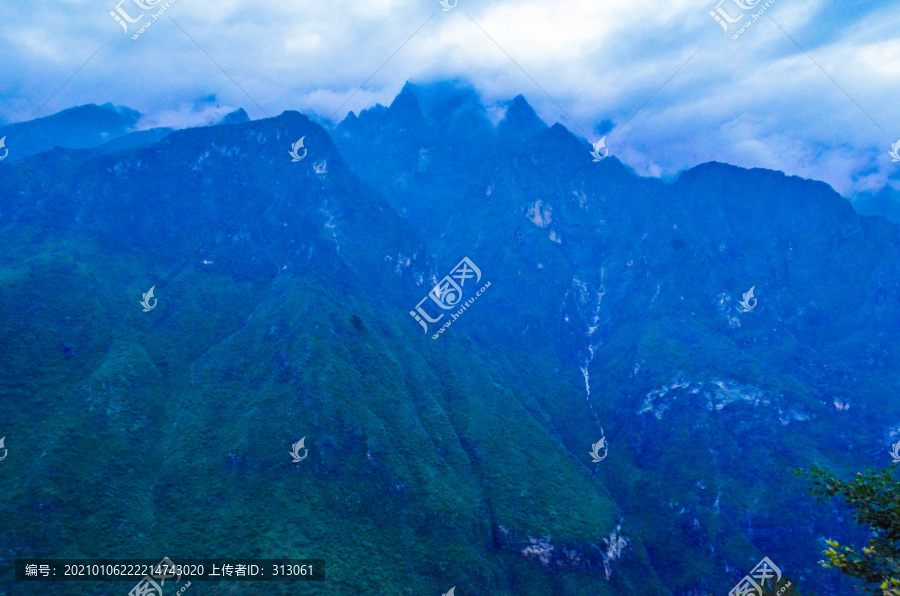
(630, 291)
(612, 329)
(281, 303)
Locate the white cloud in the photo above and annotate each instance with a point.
(756, 101)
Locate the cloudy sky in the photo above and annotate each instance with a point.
(810, 87)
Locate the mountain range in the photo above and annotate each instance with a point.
(613, 306)
(85, 127)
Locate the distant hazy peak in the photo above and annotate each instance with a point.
(238, 116)
(520, 121)
(92, 112)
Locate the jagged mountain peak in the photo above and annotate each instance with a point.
(367, 117)
(520, 122)
(406, 98)
(285, 297)
(405, 109)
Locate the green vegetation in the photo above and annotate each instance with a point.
(284, 298)
(874, 497)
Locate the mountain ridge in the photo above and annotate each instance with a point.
(285, 292)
